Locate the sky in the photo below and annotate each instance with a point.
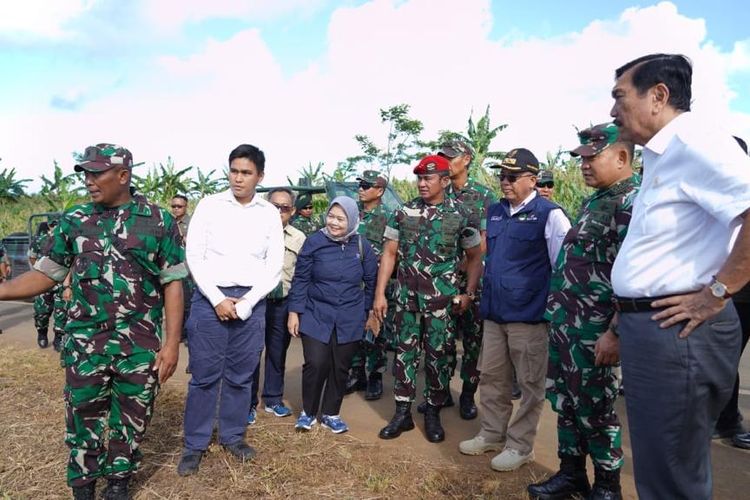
(192, 79)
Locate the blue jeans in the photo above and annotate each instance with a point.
(223, 356)
(277, 343)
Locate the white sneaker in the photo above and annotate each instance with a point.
(510, 459)
(478, 445)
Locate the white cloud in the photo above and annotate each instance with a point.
(426, 53)
(31, 19)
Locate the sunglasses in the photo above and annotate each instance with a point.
(511, 177)
(546, 184)
(306, 207)
(283, 208)
(366, 185)
(178, 206)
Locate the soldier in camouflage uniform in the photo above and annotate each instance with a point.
(44, 303)
(427, 238)
(303, 219)
(369, 362)
(475, 199)
(126, 264)
(545, 184)
(583, 347)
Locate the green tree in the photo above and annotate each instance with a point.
(570, 189)
(309, 175)
(207, 184)
(62, 191)
(10, 187)
(479, 136)
(163, 182)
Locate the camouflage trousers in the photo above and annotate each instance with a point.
(115, 392)
(371, 357)
(583, 395)
(470, 327)
(431, 332)
(45, 305)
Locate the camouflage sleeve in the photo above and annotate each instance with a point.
(622, 216)
(470, 236)
(489, 199)
(58, 255)
(171, 254)
(391, 228)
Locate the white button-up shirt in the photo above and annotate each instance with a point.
(555, 229)
(230, 244)
(696, 184)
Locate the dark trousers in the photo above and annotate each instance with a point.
(277, 343)
(730, 416)
(223, 356)
(324, 374)
(676, 389)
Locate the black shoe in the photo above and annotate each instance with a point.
(241, 450)
(85, 492)
(725, 432)
(57, 342)
(189, 462)
(466, 407)
(400, 422)
(569, 481)
(117, 489)
(355, 382)
(433, 429)
(448, 403)
(516, 391)
(41, 338)
(606, 485)
(741, 440)
(374, 387)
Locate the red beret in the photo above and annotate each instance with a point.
(432, 164)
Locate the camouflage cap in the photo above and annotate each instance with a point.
(455, 147)
(303, 201)
(596, 139)
(520, 160)
(102, 157)
(545, 176)
(373, 177)
(433, 164)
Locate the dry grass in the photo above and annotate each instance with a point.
(289, 465)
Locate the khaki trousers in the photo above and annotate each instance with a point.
(504, 347)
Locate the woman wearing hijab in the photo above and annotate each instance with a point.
(329, 302)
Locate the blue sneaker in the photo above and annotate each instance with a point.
(251, 416)
(305, 422)
(334, 423)
(279, 410)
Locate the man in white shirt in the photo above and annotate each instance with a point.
(524, 234)
(235, 251)
(686, 252)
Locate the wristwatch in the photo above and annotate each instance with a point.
(719, 289)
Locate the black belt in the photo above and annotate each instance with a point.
(629, 305)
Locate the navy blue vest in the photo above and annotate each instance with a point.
(517, 268)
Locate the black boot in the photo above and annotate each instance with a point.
(448, 403)
(569, 481)
(57, 342)
(400, 422)
(356, 382)
(117, 489)
(374, 387)
(433, 429)
(85, 492)
(466, 407)
(606, 485)
(41, 338)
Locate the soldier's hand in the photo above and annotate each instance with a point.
(225, 309)
(67, 294)
(292, 324)
(462, 305)
(166, 362)
(380, 307)
(607, 349)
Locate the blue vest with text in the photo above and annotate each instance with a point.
(517, 268)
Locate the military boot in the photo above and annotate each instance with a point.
(606, 485)
(400, 422)
(357, 381)
(57, 342)
(466, 407)
(374, 386)
(85, 492)
(448, 403)
(41, 338)
(569, 481)
(433, 429)
(117, 489)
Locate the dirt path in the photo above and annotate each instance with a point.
(731, 466)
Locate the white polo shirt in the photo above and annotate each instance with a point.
(696, 184)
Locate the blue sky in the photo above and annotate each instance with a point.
(191, 79)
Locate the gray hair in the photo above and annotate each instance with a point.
(282, 189)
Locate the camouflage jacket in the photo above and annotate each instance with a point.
(431, 240)
(305, 224)
(38, 242)
(581, 289)
(120, 259)
(475, 199)
(372, 226)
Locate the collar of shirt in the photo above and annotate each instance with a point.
(659, 142)
(228, 196)
(514, 210)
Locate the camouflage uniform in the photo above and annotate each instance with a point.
(474, 198)
(120, 259)
(50, 301)
(305, 224)
(431, 239)
(579, 310)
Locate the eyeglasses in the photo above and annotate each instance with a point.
(178, 206)
(365, 186)
(306, 207)
(511, 177)
(283, 208)
(545, 184)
